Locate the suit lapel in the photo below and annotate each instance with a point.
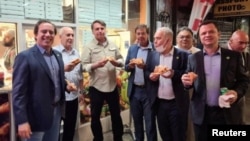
(225, 58)
(200, 66)
(60, 63)
(176, 58)
(37, 54)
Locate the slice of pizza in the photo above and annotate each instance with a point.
(161, 69)
(192, 75)
(137, 61)
(109, 58)
(76, 61)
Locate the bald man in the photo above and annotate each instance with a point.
(73, 73)
(239, 42)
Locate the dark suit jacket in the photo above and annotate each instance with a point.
(132, 53)
(33, 89)
(232, 77)
(179, 66)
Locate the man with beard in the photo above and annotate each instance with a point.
(10, 51)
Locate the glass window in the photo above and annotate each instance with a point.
(68, 11)
(8, 45)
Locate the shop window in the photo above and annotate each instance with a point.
(68, 11)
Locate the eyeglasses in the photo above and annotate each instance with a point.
(185, 37)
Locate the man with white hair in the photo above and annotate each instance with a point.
(167, 93)
(239, 42)
(69, 54)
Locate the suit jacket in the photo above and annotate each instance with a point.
(179, 66)
(132, 53)
(232, 77)
(33, 89)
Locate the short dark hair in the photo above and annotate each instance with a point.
(142, 26)
(98, 21)
(206, 22)
(36, 28)
(185, 28)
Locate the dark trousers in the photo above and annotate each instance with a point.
(213, 116)
(70, 120)
(96, 101)
(170, 121)
(141, 111)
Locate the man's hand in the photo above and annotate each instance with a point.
(113, 61)
(234, 98)
(168, 74)
(71, 86)
(131, 64)
(187, 80)
(154, 76)
(141, 66)
(69, 67)
(24, 130)
(100, 63)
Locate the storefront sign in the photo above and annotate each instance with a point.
(199, 12)
(226, 8)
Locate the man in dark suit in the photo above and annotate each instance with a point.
(216, 68)
(167, 95)
(38, 87)
(239, 41)
(137, 91)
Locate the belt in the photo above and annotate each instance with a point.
(140, 86)
(166, 100)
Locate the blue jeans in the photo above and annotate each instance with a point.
(53, 133)
(142, 112)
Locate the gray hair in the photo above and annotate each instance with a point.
(61, 31)
(167, 31)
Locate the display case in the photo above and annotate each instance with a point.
(7, 128)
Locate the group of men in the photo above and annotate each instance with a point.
(193, 74)
(44, 77)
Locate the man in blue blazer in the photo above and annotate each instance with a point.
(38, 87)
(137, 85)
(215, 68)
(167, 95)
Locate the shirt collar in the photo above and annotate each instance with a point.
(149, 47)
(43, 51)
(101, 44)
(62, 49)
(216, 53)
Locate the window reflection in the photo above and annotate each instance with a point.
(8, 47)
(68, 11)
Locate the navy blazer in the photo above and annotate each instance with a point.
(33, 89)
(179, 66)
(232, 77)
(132, 53)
